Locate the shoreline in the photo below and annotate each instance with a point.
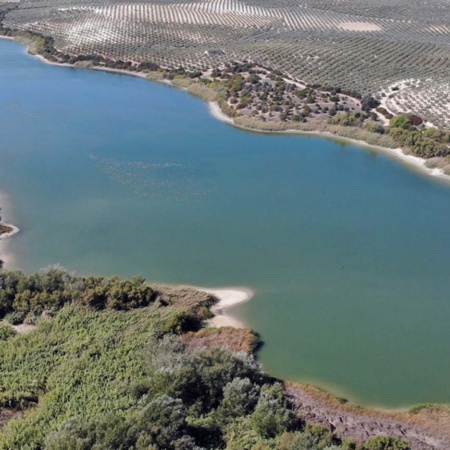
(14, 230)
(5, 256)
(397, 154)
(228, 298)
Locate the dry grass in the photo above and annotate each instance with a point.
(184, 297)
(203, 92)
(320, 128)
(233, 339)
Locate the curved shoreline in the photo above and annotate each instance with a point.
(222, 316)
(397, 154)
(228, 298)
(14, 230)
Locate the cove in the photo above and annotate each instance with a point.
(346, 250)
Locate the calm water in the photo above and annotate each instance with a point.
(347, 251)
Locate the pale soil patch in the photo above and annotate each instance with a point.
(24, 328)
(359, 26)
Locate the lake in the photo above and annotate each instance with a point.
(348, 251)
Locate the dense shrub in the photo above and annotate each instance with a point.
(52, 288)
(368, 102)
(375, 127)
(271, 416)
(385, 443)
(418, 143)
(6, 332)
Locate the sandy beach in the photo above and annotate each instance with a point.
(216, 112)
(5, 205)
(228, 297)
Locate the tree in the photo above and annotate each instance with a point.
(271, 416)
(239, 398)
(368, 102)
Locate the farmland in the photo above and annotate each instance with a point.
(398, 51)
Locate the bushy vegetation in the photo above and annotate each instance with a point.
(27, 297)
(348, 119)
(94, 376)
(425, 144)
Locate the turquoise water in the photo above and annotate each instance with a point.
(348, 252)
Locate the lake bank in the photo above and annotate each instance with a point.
(397, 154)
(288, 216)
(339, 133)
(228, 298)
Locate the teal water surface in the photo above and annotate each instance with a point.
(348, 252)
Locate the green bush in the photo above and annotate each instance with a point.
(239, 398)
(375, 127)
(271, 416)
(402, 121)
(385, 443)
(314, 437)
(6, 331)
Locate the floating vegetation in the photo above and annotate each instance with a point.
(157, 180)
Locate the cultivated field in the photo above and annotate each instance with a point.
(365, 46)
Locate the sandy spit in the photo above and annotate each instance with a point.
(228, 297)
(14, 231)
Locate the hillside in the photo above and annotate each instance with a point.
(398, 51)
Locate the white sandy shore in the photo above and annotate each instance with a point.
(394, 153)
(14, 231)
(7, 258)
(216, 112)
(5, 205)
(228, 297)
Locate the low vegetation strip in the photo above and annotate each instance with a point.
(128, 371)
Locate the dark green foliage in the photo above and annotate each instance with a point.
(271, 416)
(385, 443)
(347, 119)
(418, 143)
(313, 437)
(199, 379)
(6, 332)
(239, 398)
(402, 121)
(52, 288)
(368, 102)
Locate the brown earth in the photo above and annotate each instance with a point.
(427, 429)
(233, 339)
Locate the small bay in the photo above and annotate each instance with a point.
(348, 251)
